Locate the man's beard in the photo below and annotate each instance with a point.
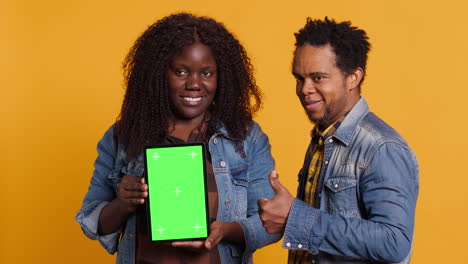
(324, 120)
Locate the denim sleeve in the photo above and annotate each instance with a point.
(100, 193)
(261, 163)
(388, 191)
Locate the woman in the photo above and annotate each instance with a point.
(188, 80)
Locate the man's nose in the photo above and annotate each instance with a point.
(308, 87)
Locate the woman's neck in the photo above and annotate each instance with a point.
(181, 128)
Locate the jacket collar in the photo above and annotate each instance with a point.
(345, 132)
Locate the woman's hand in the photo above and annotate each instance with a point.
(132, 192)
(219, 231)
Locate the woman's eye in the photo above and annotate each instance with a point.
(207, 74)
(180, 73)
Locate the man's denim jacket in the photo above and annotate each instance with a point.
(240, 182)
(368, 190)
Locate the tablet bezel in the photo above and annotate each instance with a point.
(205, 186)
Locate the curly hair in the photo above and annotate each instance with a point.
(349, 43)
(146, 109)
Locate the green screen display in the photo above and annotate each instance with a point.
(177, 202)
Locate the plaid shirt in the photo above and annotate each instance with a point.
(313, 174)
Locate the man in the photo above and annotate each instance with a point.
(359, 182)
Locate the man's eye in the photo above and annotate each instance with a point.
(317, 78)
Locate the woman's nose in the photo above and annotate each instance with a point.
(194, 82)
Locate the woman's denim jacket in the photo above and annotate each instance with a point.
(240, 181)
(367, 196)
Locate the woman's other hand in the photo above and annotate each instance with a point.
(219, 231)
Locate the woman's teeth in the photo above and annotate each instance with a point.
(192, 99)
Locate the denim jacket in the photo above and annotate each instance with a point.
(240, 182)
(367, 196)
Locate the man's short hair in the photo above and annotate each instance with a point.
(349, 43)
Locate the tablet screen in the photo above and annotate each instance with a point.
(177, 199)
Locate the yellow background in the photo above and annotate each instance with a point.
(61, 87)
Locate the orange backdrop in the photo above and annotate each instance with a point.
(61, 83)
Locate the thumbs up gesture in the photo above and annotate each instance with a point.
(274, 212)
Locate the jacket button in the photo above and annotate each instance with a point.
(227, 202)
(288, 244)
(299, 246)
(336, 186)
(326, 162)
(222, 164)
(330, 140)
(215, 140)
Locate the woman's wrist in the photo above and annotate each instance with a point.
(233, 232)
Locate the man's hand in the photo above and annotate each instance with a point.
(274, 212)
(132, 192)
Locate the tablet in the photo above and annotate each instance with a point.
(177, 202)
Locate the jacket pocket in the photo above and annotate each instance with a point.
(240, 186)
(115, 177)
(134, 167)
(239, 175)
(342, 196)
(234, 250)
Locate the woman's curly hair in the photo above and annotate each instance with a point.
(146, 109)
